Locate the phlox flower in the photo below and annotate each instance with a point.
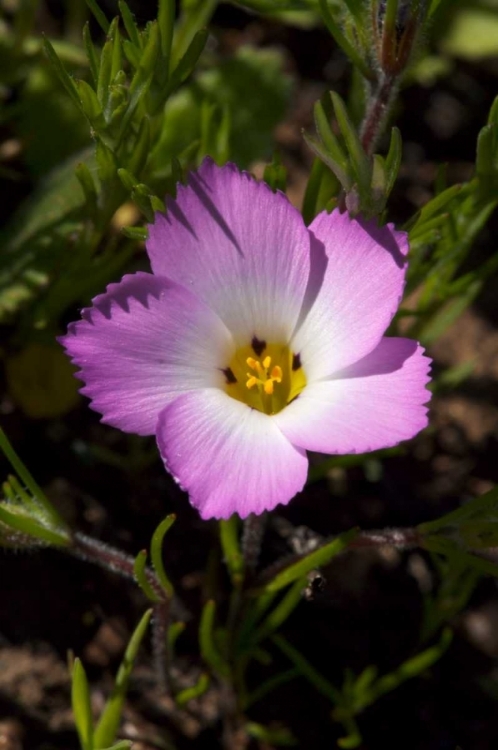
(254, 339)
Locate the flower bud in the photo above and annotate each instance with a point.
(396, 24)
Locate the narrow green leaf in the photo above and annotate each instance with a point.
(122, 745)
(81, 703)
(209, 651)
(135, 233)
(229, 535)
(343, 42)
(109, 721)
(189, 60)
(307, 670)
(105, 70)
(275, 174)
(174, 631)
(360, 161)
(129, 24)
(62, 74)
(91, 53)
(90, 104)
(88, 186)
(410, 668)
(319, 150)
(26, 525)
(185, 696)
(322, 186)
(166, 22)
(281, 737)
(281, 612)
(106, 162)
(141, 578)
(132, 53)
(483, 507)
(316, 559)
(156, 553)
(141, 148)
(393, 159)
(99, 15)
(142, 79)
(329, 140)
(28, 480)
(270, 685)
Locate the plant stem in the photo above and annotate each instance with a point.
(378, 108)
(252, 536)
(110, 558)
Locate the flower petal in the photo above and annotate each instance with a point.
(240, 247)
(372, 404)
(356, 281)
(228, 457)
(141, 344)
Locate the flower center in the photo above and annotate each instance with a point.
(265, 376)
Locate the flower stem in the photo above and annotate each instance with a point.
(377, 111)
(110, 558)
(252, 537)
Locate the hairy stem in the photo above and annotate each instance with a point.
(378, 108)
(110, 558)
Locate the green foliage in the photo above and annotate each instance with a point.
(366, 181)
(103, 734)
(250, 89)
(27, 518)
(141, 573)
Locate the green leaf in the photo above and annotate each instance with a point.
(21, 522)
(142, 79)
(229, 535)
(360, 162)
(329, 140)
(275, 174)
(189, 60)
(281, 612)
(28, 480)
(82, 709)
(393, 159)
(91, 53)
(348, 49)
(141, 578)
(281, 737)
(129, 24)
(156, 553)
(108, 724)
(209, 650)
(99, 15)
(107, 59)
(90, 104)
(122, 745)
(316, 559)
(62, 74)
(166, 23)
(188, 694)
(135, 233)
(307, 670)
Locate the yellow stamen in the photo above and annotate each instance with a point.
(265, 378)
(268, 387)
(276, 374)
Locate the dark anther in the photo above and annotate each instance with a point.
(230, 377)
(258, 346)
(296, 362)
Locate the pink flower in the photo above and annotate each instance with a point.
(254, 340)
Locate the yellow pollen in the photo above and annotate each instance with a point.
(263, 379)
(267, 382)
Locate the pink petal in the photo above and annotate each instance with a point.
(228, 457)
(356, 283)
(240, 247)
(141, 344)
(372, 404)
